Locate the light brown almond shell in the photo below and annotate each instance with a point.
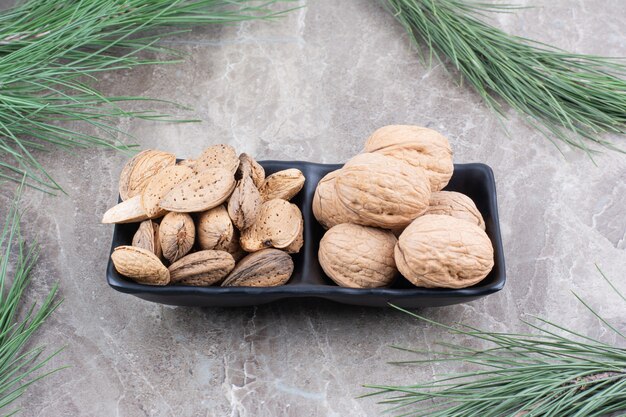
(283, 184)
(128, 211)
(140, 265)
(265, 268)
(160, 185)
(140, 169)
(202, 268)
(202, 192)
(277, 225)
(177, 234)
(244, 204)
(217, 156)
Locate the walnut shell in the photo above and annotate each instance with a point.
(140, 265)
(201, 192)
(443, 251)
(217, 156)
(456, 205)
(327, 208)
(249, 166)
(278, 226)
(265, 268)
(202, 268)
(283, 184)
(140, 169)
(382, 191)
(244, 204)
(214, 229)
(176, 234)
(160, 185)
(417, 146)
(357, 256)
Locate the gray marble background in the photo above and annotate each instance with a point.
(312, 86)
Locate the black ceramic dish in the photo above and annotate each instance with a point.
(309, 280)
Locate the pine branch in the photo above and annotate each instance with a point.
(572, 98)
(556, 372)
(49, 49)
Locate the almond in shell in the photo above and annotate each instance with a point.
(140, 265)
(283, 184)
(278, 226)
(244, 204)
(128, 211)
(202, 268)
(265, 268)
(214, 229)
(160, 185)
(249, 166)
(140, 169)
(202, 192)
(177, 234)
(218, 156)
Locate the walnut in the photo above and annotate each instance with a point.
(417, 146)
(443, 251)
(327, 208)
(358, 256)
(382, 191)
(456, 205)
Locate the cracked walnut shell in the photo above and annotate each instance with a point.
(357, 256)
(443, 251)
(417, 146)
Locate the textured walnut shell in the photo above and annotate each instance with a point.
(283, 184)
(202, 192)
(278, 226)
(140, 169)
(357, 256)
(443, 251)
(248, 166)
(327, 208)
(417, 146)
(129, 211)
(176, 234)
(244, 204)
(382, 191)
(217, 156)
(214, 229)
(265, 268)
(202, 268)
(140, 265)
(456, 205)
(160, 185)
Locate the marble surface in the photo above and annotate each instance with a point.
(312, 86)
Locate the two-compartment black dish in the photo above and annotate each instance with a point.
(309, 280)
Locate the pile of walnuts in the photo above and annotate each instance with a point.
(394, 188)
(212, 220)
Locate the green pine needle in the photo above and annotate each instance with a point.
(556, 372)
(20, 365)
(570, 97)
(50, 53)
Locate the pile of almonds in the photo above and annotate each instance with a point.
(394, 188)
(212, 220)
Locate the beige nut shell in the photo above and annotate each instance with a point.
(283, 184)
(128, 211)
(457, 205)
(177, 234)
(140, 265)
(214, 229)
(202, 268)
(265, 268)
(327, 208)
(382, 191)
(417, 146)
(145, 236)
(160, 185)
(217, 156)
(244, 204)
(249, 166)
(278, 226)
(357, 256)
(203, 191)
(140, 169)
(443, 251)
